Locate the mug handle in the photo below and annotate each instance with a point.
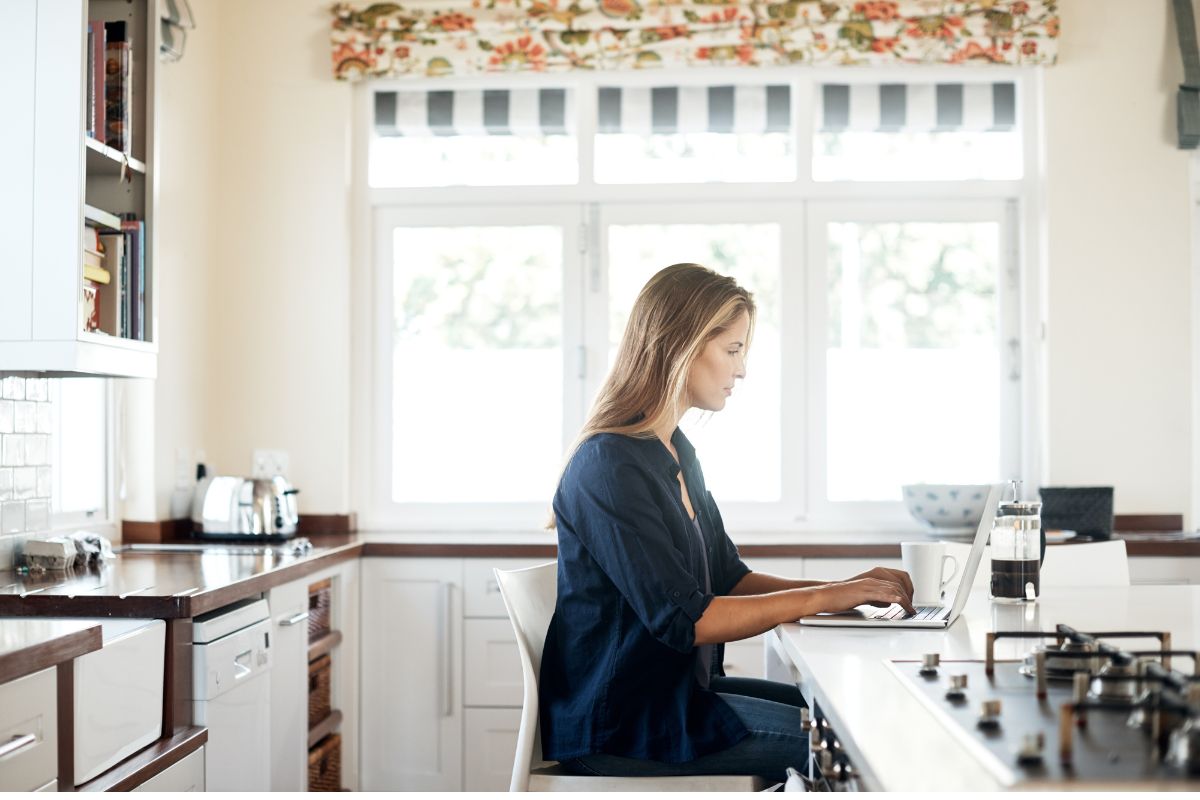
(953, 561)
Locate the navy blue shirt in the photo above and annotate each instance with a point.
(618, 669)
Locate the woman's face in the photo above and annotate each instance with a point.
(722, 362)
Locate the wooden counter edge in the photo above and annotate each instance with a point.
(49, 653)
(147, 762)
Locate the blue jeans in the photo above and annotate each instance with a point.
(769, 710)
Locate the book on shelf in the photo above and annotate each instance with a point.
(89, 306)
(96, 57)
(118, 86)
(114, 313)
(135, 244)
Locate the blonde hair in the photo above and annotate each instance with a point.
(676, 314)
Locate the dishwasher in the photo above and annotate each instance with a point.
(231, 695)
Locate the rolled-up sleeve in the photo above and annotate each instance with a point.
(616, 519)
(731, 568)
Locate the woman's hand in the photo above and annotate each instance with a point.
(873, 591)
(898, 576)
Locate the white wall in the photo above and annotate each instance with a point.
(278, 306)
(1119, 358)
(260, 129)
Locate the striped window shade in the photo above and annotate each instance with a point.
(496, 112)
(694, 109)
(896, 107)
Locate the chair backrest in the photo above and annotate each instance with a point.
(1086, 564)
(529, 596)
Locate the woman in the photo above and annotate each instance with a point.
(649, 584)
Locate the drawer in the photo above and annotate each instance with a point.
(490, 745)
(28, 708)
(481, 593)
(744, 659)
(493, 664)
(185, 775)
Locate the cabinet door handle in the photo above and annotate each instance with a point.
(18, 742)
(295, 619)
(444, 667)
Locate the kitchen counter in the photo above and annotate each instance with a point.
(885, 729)
(30, 645)
(179, 585)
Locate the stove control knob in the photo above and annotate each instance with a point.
(989, 714)
(929, 664)
(1030, 752)
(957, 684)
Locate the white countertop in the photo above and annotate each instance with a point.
(897, 745)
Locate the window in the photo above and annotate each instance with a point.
(882, 250)
(80, 439)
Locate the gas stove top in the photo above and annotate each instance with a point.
(1077, 710)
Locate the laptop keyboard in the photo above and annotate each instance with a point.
(896, 611)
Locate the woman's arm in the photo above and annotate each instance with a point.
(765, 583)
(728, 619)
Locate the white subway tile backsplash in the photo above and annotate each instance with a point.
(12, 450)
(37, 389)
(26, 450)
(24, 483)
(12, 516)
(25, 418)
(37, 515)
(37, 450)
(14, 389)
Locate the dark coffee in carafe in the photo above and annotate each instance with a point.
(1009, 578)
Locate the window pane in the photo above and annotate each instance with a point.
(916, 156)
(913, 356)
(477, 364)
(482, 160)
(740, 446)
(79, 464)
(694, 158)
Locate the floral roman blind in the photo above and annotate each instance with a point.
(472, 37)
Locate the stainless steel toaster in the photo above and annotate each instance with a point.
(228, 507)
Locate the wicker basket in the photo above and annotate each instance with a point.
(320, 597)
(325, 765)
(318, 689)
(1085, 510)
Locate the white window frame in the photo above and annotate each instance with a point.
(101, 520)
(1021, 201)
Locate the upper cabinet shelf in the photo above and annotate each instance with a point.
(78, 282)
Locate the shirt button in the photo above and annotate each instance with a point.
(675, 594)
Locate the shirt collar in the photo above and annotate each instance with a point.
(661, 456)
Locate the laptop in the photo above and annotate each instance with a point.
(940, 616)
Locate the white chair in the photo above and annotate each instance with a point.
(529, 595)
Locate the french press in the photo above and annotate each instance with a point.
(1017, 549)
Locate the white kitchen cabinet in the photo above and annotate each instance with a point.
(289, 686)
(492, 664)
(490, 744)
(57, 175)
(412, 711)
(185, 775)
(29, 732)
(1163, 570)
(289, 675)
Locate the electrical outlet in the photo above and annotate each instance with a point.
(269, 463)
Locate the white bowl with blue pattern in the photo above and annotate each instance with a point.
(948, 509)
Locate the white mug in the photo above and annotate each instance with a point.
(925, 563)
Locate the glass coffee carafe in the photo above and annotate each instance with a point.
(1016, 543)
